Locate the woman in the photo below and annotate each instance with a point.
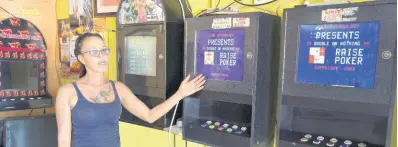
(88, 110)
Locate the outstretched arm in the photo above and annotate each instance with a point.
(139, 109)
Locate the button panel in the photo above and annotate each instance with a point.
(226, 127)
(319, 140)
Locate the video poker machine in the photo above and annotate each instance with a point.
(150, 45)
(22, 66)
(238, 55)
(338, 84)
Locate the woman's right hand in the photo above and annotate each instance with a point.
(189, 87)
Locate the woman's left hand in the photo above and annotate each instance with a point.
(190, 87)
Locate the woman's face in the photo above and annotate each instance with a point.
(94, 54)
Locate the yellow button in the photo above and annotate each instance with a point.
(304, 139)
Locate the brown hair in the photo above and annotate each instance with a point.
(78, 49)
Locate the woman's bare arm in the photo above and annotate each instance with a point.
(63, 114)
(139, 109)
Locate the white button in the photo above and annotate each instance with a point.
(320, 138)
(234, 127)
(225, 125)
(361, 144)
(217, 123)
(308, 136)
(243, 128)
(347, 142)
(208, 122)
(334, 140)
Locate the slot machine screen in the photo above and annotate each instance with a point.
(19, 76)
(342, 54)
(220, 54)
(141, 55)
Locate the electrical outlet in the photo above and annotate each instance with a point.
(262, 1)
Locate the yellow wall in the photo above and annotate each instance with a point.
(275, 8)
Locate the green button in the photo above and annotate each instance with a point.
(212, 126)
(229, 130)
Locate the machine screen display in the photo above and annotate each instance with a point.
(338, 54)
(19, 76)
(141, 55)
(220, 54)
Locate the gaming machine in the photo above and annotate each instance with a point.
(238, 55)
(338, 81)
(23, 66)
(150, 49)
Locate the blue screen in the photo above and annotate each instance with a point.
(220, 54)
(338, 54)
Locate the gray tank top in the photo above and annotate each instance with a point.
(94, 124)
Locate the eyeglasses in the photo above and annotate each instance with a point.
(96, 53)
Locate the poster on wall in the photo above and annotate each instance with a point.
(140, 11)
(80, 14)
(220, 54)
(79, 22)
(69, 65)
(338, 54)
(106, 7)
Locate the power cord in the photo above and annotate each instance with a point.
(7, 11)
(218, 3)
(188, 6)
(175, 109)
(30, 114)
(251, 5)
(216, 9)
